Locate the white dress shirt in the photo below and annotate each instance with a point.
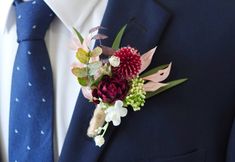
(82, 14)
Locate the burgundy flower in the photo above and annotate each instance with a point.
(110, 89)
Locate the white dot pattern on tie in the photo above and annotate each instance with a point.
(28, 148)
(34, 26)
(42, 132)
(29, 116)
(29, 52)
(17, 99)
(29, 84)
(16, 131)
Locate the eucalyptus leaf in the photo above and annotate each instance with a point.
(83, 81)
(117, 41)
(96, 52)
(168, 86)
(91, 79)
(82, 56)
(96, 82)
(80, 72)
(93, 67)
(154, 70)
(78, 35)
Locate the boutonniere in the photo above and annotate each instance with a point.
(117, 83)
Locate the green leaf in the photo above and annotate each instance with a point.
(154, 70)
(83, 81)
(93, 67)
(78, 35)
(80, 72)
(96, 82)
(117, 41)
(82, 56)
(96, 52)
(170, 85)
(91, 80)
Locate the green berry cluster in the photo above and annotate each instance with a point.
(136, 97)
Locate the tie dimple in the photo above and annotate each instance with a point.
(33, 20)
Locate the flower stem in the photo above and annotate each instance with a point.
(105, 129)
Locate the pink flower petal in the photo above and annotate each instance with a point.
(92, 30)
(87, 93)
(77, 41)
(160, 75)
(146, 59)
(86, 43)
(75, 44)
(152, 86)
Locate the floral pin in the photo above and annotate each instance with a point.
(117, 83)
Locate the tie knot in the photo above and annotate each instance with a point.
(33, 19)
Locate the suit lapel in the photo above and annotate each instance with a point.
(146, 21)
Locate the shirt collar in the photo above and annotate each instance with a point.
(5, 7)
(72, 13)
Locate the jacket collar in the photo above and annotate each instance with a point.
(146, 21)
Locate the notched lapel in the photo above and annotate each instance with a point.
(146, 21)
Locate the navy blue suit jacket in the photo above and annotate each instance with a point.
(190, 123)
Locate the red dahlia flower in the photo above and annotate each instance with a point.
(110, 89)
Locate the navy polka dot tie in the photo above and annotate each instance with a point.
(31, 111)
